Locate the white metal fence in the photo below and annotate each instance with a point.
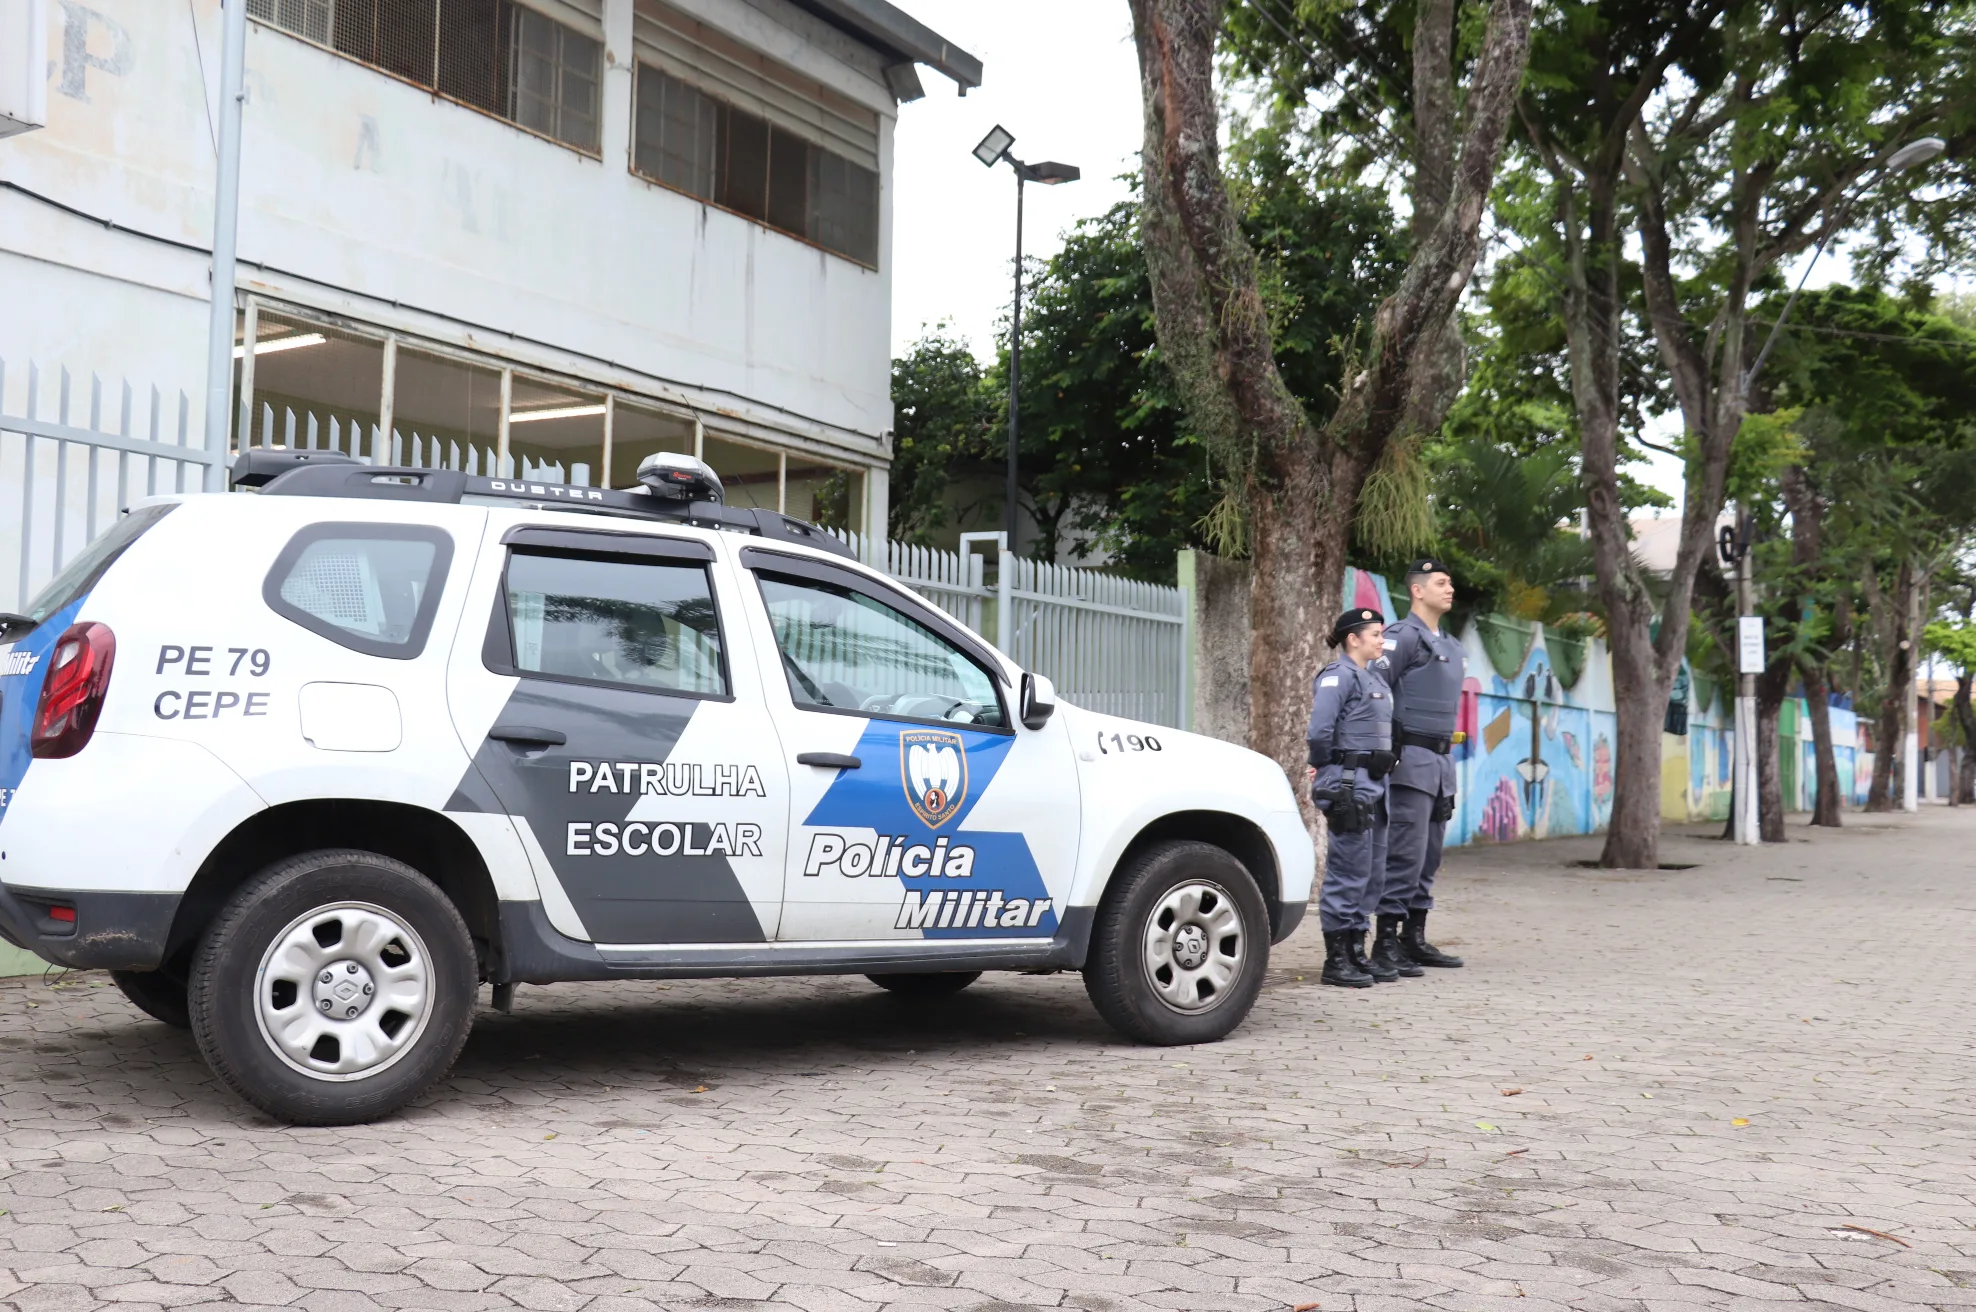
(1109, 644)
(67, 475)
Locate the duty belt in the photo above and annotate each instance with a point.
(1440, 745)
(1374, 762)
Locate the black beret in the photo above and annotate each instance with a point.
(1428, 565)
(1353, 620)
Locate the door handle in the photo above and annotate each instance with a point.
(829, 760)
(528, 735)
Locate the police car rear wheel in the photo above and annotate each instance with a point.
(1180, 945)
(931, 984)
(334, 988)
(155, 993)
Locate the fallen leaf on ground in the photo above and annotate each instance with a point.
(1487, 1128)
(1516, 1152)
(1588, 1056)
(1306, 1307)
(1740, 1120)
(1511, 1093)
(701, 1089)
(1646, 1095)
(1877, 1234)
(547, 1137)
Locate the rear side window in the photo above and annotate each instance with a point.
(81, 574)
(648, 624)
(370, 587)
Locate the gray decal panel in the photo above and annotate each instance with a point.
(631, 879)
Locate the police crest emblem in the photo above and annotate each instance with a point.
(933, 764)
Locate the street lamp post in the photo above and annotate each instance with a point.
(1736, 544)
(994, 148)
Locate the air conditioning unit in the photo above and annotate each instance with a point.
(23, 66)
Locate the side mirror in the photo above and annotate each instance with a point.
(1039, 701)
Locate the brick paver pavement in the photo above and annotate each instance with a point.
(819, 1145)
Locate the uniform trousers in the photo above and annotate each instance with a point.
(1354, 870)
(1413, 851)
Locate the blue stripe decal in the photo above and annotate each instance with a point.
(917, 787)
(22, 672)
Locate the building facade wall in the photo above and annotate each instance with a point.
(372, 199)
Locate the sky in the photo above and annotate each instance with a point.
(1059, 74)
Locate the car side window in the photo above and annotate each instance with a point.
(844, 650)
(638, 623)
(371, 587)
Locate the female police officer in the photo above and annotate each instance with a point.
(1351, 752)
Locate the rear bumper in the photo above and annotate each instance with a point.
(111, 931)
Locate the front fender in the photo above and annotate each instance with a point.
(1129, 791)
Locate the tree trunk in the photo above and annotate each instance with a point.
(1818, 698)
(1771, 686)
(1964, 793)
(1897, 707)
(1300, 484)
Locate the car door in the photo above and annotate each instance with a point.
(918, 809)
(624, 734)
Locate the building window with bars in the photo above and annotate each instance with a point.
(706, 147)
(496, 56)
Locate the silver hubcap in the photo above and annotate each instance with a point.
(344, 991)
(1194, 946)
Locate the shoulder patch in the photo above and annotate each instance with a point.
(1390, 643)
(1328, 681)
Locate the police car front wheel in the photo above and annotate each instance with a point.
(1180, 945)
(334, 988)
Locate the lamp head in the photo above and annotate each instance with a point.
(995, 145)
(1050, 173)
(1916, 152)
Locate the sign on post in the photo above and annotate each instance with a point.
(1749, 644)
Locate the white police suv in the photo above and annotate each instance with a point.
(303, 768)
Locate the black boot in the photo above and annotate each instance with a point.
(1381, 974)
(1387, 954)
(1416, 944)
(1339, 968)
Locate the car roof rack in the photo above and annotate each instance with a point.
(332, 474)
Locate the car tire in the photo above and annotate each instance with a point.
(931, 984)
(333, 988)
(157, 994)
(1180, 945)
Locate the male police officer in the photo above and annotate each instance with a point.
(1425, 668)
(1351, 752)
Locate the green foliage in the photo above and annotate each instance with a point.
(1106, 456)
(942, 418)
(1954, 643)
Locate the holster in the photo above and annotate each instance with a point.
(1343, 809)
(1444, 809)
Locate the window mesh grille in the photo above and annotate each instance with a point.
(719, 152)
(497, 56)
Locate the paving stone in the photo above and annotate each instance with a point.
(1004, 1150)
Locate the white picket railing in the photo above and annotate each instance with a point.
(1110, 644)
(68, 477)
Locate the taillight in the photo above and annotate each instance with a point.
(72, 694)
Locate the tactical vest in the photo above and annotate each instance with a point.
(1365, 721)
(1428, 697)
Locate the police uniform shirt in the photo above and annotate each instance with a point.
(1425, 670)
(1351, 711)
